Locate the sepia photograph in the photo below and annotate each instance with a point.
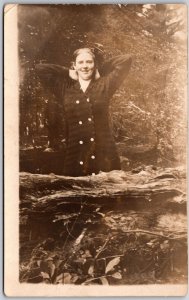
(96, 115)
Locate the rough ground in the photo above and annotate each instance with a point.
(112, 228)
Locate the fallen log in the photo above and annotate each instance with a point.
(165, 186)
(141, 213)
(48, 197)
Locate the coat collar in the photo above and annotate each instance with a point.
(78, 89)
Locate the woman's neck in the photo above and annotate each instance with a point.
(84, 84)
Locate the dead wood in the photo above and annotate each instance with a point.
(166, 185)
(53, 200)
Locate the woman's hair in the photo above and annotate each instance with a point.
(96, 55)
(81, 50)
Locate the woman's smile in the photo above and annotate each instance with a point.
(85, 66)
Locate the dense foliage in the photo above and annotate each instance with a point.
(149, 110)
(61, 239)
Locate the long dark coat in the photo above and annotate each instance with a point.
(90, 146)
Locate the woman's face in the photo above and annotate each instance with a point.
(84, 65)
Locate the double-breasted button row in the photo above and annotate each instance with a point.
(77, 101)
(81, 122)
(92, 157)
(81, 142)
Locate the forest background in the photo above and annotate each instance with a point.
(148, 112)
(118, 227)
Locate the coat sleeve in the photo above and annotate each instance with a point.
(51, 70)
(54, 79)
(115, 71)
(52, 76)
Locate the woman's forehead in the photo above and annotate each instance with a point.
(84, 55)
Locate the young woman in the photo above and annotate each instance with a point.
(84, 94)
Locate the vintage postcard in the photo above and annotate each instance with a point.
(95, 150)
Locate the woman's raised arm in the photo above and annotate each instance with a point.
(50, 71)
(52, 76)
(116, 70)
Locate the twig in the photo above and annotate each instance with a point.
(111, 256)
(95, 278)
(152, 233)
(146, 268)
(68, 231)
(79, 239)
(102, 249)
(73, 225)
(141, 110)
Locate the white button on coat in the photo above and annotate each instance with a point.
(89, 119)
(81, 162)
(88, 100)
(80, 122)
(77, 101)
(81, 142)
(92, 140)
(93, 157)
